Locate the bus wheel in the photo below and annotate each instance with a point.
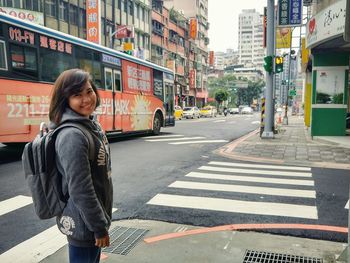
(156, 124)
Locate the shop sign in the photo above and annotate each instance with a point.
(93, 18)
(192, 77)
(283, 37)
(111, 60)
(290, 13)
(328, 23)
(27, 15)
(193, 28)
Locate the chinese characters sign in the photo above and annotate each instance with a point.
(57, 45)
(193, 28)
(289, 13)
(137, 78)
(192, 79)
(93, 21)
(20, 35)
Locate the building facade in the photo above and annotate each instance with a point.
(327, 68)
(70, 16)
(250, 39)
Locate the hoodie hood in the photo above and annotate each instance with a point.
(70, 115)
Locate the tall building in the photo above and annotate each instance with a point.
(197, 9)
(250, 39)
(71, 17)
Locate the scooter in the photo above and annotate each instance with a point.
(225, 112)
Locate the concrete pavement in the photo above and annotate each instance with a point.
(154, 241)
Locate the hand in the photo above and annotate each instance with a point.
(102, 242)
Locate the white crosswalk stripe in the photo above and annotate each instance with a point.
(37, 247)
(264, 181)
(177, 139)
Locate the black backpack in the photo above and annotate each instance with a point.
(41, 173)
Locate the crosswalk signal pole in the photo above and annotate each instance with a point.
(268, 131)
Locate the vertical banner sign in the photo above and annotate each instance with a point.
(264, 26)
(193, 28)
(93, 18)
(192, 82)
(289, 13)
(211, 58)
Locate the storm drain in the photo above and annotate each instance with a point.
(268, 257)
(123, 239)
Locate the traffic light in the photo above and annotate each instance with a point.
(129, 52)
(268, 63)
(279, 64)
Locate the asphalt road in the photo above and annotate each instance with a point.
(146, 170)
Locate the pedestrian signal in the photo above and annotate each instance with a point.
(279, 64)
(268, 63)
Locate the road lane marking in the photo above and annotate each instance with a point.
(244, 189)
(347, 205)
(250, 179)
(282, 167)
(250, 171)
(219, 121)
(174, 139)
(193, 142)
(235, 206)
(164, 136)
(14, 203)
(38, 247)
(255, 122)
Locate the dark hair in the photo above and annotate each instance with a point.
(68, 83)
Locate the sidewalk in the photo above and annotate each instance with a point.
(292, 145)
(152, 241)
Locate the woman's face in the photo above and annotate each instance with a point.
(84, 102)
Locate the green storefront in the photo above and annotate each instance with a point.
(330, 71)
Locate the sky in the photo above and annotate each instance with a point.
(223, 20)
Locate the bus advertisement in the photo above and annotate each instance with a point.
(136, 95)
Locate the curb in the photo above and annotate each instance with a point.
(227, 151)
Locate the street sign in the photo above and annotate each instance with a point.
(292, 93)
(289, 13)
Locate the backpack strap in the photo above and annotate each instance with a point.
(86, 132)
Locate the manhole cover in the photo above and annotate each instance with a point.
(268, 257)
(123, 239)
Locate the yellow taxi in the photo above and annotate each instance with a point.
(178, 112)
(208, 111)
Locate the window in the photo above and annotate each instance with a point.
(63, 11)
(125, 6)
(53, 63)
(3, 59)
(143, 14)
(137, 11)
(24, 59)
(73, 15)
(51, 7)
(108, 79)
(34, 5)
(131, 7)
(96, 70)
(117, 80)
(119, 4)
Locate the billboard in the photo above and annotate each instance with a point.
(283, 37)
(124, 32)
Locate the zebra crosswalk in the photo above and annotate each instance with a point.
(178, 139)
(290, 190)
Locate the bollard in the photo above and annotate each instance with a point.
(262, 120)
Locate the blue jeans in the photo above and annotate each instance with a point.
(84, 254)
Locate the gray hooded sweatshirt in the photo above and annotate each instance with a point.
(88, 212)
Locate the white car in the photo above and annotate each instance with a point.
(247, 110)
(191, 112)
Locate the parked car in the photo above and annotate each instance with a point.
(208, 111)
(178, 114)
(191, 112)
(233, 110)
(247, 110)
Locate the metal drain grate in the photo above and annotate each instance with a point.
(123, 239)
(252, 256)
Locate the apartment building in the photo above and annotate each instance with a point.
(250, 39)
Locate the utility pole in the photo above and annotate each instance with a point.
(285, 118)
(268, 132)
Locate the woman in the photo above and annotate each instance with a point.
(87, 215)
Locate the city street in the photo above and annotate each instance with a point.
(176, 177)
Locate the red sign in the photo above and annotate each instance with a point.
(125, 32)
(193, 28)
(93, 21)
(211, 58)
(137, 78)
(192, 81)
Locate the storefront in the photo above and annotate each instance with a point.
(327, 85)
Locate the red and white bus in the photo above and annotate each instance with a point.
(136, 95)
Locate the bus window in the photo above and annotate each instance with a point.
(53, 63)
(24, 59)
(84, 59)
(3, 60)
(96, 70)
(117, 80)
(108, 79)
